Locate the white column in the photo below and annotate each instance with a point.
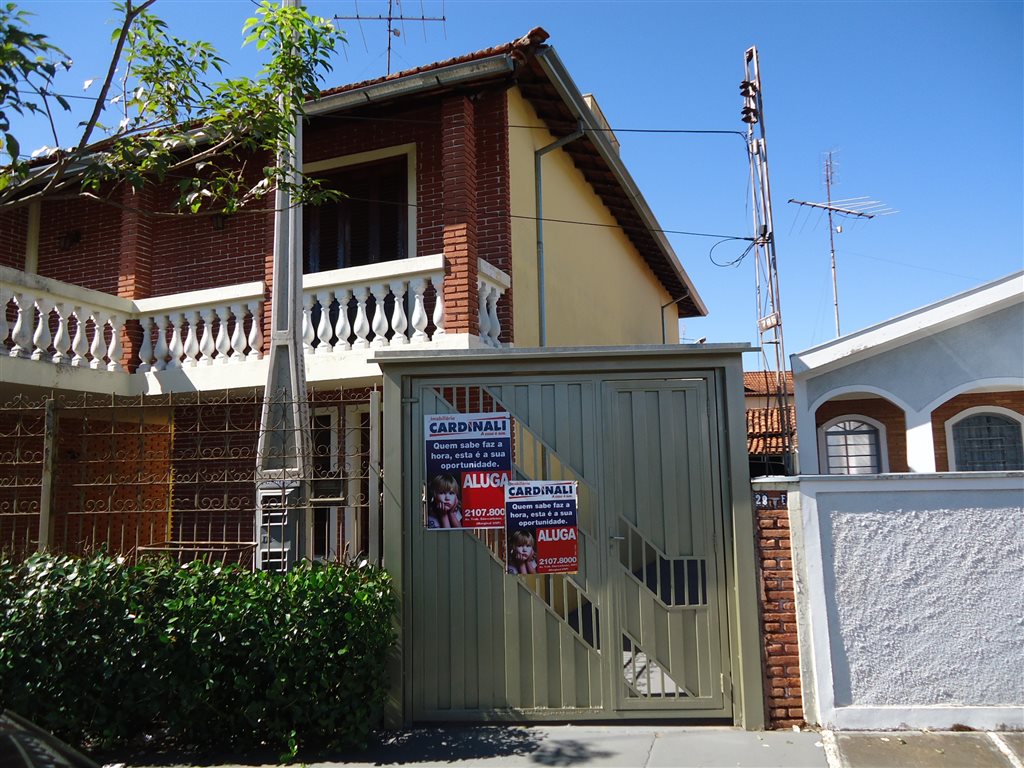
(920, 442)
(22, 333)
(380, 319)
(323, 326)
(307, 323)
(342, 328)
(494, 327)
(114, 348)
(399, 323)
(206, 344)
(99, 345)
(161, 351)
(146, 347)
(191, 345)
(61, 339)
(419, 312)
(238, 333)
(361, 325)
(41, 337)
(255, 338)
(223, 341)
(439, 305)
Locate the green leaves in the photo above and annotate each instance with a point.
(168, 113)
(102, 652)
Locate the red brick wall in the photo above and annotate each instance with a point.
(780, 649)
(494, 206)
(890, 415)
(92, 262)
(1012, 400)
(13, 229)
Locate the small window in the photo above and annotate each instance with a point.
(988, 441)
(852, 447)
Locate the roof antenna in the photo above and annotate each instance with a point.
(859, 207)
(391, 18)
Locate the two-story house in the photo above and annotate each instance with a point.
(485, 205)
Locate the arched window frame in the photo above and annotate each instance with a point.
(883, 443)
(975, 411)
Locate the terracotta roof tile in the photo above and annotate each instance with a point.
(760, 382)
(764, 430)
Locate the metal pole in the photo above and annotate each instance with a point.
(831, 238)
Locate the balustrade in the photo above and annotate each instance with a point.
(399, 303)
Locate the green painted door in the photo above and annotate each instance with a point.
(636, 632)
(661, 486)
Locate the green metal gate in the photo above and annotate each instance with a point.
(642, 631)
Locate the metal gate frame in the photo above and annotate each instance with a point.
(721, 364)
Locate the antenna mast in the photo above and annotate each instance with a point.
(769, 307)
(860, 207)
(391, 18)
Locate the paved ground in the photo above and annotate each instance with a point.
(660, 747)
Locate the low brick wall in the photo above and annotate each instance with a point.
(780, 646)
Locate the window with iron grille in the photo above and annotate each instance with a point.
(988, 441)
(852, 446)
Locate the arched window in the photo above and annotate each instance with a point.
(852, 445)
(986, 439)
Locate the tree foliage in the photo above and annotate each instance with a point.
(165, 113)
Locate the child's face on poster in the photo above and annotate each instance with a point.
(445, 500)
(524, 552)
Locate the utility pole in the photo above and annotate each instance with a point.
(766, 275)
(390, 18)
(860, 207)
(284, 522)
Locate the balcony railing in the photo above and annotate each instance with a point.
(362, 308)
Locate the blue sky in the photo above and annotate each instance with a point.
(921, 102)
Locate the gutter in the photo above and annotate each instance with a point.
(561, 80)
(454, 74)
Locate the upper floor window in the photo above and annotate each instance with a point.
(987, 439)
(368, 225)
(852, 445)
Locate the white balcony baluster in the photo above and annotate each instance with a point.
(162, 351)
(342, 328)
(206, 345)
(361, 326)
(484, 319)
(380, 318)
(191, 345)
(98, 344)
(238, 333)
(439, 306)
(223, 341)
(146, 346)
(308, 334)
(399, 324)
(323, 326)
(61, 339)
(494, 328)
(78, 343)
(22, 333)
(41, 338)
(114, 348)
(419, 312)
(255, 331)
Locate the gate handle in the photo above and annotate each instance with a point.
(616, 538)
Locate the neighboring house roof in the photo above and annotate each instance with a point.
(764, 430)
(762, 383)
(547, 85)
(911, 326)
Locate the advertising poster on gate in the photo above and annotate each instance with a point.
(541, 527)
(469, 462)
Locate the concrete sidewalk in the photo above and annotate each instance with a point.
(664, 746)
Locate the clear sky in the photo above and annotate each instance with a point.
(921, 102)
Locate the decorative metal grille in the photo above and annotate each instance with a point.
(172, 474)
(852, 448)
(988, 441)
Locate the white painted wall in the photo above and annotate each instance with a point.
(911, 600)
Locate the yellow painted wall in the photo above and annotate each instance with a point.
(599, 290)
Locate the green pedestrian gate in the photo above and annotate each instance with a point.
(660, 620)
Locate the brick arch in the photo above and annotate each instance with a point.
(1010, 399)
(882, 410)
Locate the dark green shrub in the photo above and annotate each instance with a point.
(99, 651)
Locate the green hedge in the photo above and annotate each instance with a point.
(102, 652)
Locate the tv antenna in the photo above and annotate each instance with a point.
(766, 275)
(393, 31)
(857, 207)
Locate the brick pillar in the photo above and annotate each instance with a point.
(134, 271)
(781, 649)
(458, 188)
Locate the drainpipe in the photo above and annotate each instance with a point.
(537, 156)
